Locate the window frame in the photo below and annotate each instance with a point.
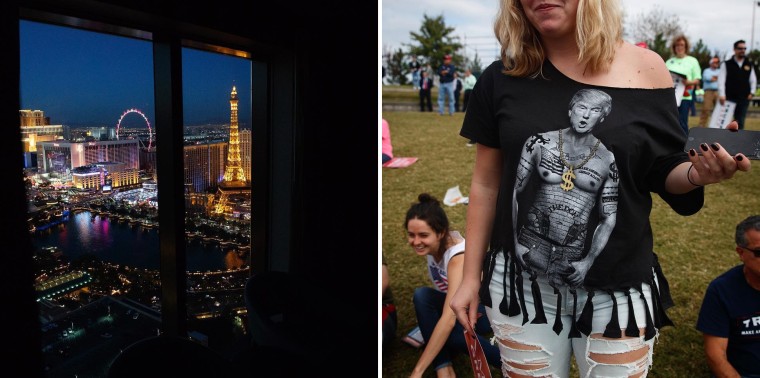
(273, 111)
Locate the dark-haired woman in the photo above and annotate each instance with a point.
(428, 233)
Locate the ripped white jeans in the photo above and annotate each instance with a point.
(535, 350)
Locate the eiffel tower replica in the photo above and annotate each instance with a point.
(234, 184)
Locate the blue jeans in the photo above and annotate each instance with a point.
(416, 79)
(446, 90)
(683, 115)
(693, 104)
(740, 112)
(428, 304)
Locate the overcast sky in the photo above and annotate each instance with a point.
(717, 23)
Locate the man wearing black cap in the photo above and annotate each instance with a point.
(446, 88)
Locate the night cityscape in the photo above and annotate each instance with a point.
(92, 306)
(135, 244)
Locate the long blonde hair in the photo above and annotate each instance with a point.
(599, 30)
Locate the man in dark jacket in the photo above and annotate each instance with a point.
(446, 85)
(737, 81)
(425, 84)
(457, 91)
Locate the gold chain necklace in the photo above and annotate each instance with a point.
(569, 176)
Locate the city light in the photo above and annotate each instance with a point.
(83, 192)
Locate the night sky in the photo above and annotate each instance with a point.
(82, 78)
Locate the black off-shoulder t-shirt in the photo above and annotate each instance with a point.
(640, 141)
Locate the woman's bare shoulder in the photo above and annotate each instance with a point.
(640, 68)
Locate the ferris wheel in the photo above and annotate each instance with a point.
(150, 129)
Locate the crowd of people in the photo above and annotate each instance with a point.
(454, 86)
(732, 81)
(558, 263)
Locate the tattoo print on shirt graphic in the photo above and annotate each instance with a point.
(566, 195)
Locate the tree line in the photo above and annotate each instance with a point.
(434, 39)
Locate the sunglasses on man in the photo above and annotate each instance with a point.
(755, 252)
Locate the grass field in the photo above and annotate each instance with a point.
(692, 250)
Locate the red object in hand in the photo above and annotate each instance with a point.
(478, 359)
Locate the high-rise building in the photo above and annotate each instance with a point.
(35, 127)
(63, 156)
(245, 152)
(148, 161)
(204, 166)
(234, 183)
(33, 118)
(104, 174)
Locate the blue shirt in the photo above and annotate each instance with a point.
(447, 77)
(731, 309)
(707, 75)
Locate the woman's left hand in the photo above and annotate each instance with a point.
(715, 164)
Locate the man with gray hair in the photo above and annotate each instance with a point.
(730, 315)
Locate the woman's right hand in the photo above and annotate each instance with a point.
(465, 303)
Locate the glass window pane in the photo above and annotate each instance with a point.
(87, 105)
(217, 164)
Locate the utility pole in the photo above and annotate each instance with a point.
(755, 4)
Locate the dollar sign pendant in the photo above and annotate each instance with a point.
(567, 180)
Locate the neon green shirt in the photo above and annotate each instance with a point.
(688, 66)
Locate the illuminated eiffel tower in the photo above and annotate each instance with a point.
(234, 183)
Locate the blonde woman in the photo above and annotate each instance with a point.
(559, 244)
